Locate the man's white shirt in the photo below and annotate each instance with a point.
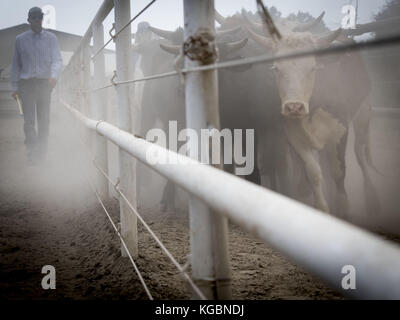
(36, 55)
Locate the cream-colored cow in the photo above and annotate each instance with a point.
(324, 125)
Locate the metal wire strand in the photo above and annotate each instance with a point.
(268, 58)
(123, 243)
(163, 248)
(116, 230)
(123, 28)
(119, 235)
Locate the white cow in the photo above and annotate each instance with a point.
(322, 125)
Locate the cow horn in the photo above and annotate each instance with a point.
(256, 25)
(326, 40)
(263, 41)
(174, 49)
(228, 31)
(166, 34)
(218, 17)
(309, 25)
(233, 46)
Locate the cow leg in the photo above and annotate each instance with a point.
(264, 158)
(255, 176)
(300, 186)
(272, 159)
(314, 176)
(168, 197)
(282, 163)
(361, 124)
(262, 165)
(335, 159)
(311, 165)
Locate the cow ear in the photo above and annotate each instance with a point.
(325, 40)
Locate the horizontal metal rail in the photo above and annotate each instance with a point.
(387, 112)
(181, 269)
(375, 26)
(268, 58)
(320, 243)
(91, 185)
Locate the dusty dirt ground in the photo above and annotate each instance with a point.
(49, 216)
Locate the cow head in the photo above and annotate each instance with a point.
(295, 78)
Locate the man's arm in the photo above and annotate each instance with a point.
(15, 69)
(56, 62)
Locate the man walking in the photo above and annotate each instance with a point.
(36, 66)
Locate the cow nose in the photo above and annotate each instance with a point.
(294, 109)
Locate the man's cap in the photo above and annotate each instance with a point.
(34, 12)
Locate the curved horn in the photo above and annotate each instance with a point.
(309, 25)
(326, 40)
(263, 41)
(218, 17)
(166, 34)
(256, 25)
(173, 49)
(221, 33)
(233, 46)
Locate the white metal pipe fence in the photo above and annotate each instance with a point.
(320, 243)
(92, 160)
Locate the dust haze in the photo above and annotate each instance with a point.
(249, 97)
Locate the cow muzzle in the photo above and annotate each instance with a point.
(295, 109)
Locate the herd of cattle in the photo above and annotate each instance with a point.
(300, 109)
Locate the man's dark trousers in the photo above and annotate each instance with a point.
(35, 95)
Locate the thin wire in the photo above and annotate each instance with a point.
(123, 28)
(123, 243)
(269, 58)
(157, 76)
(118, 233)
(163, 248)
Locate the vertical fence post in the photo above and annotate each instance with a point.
(86, 76)
(127, 174)
(208, 231)
(100, 106)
